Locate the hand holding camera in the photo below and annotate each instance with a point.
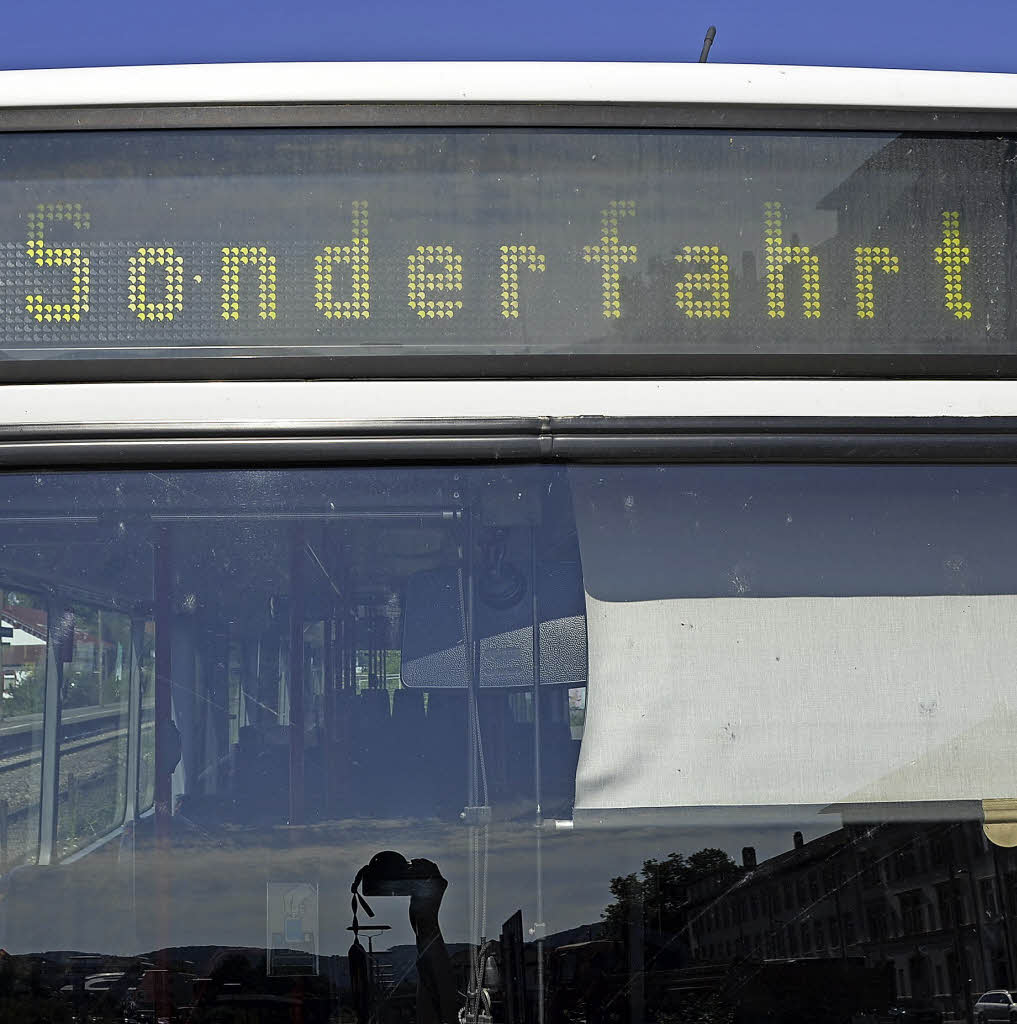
(391, 874)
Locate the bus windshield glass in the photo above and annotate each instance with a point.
(517, 744)
(505, 242)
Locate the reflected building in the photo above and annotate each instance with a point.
(936, 901)
(895, 203)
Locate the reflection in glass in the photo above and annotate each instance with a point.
(268, 681)
(146, 680)
(94, 676)
(634, 242)
(22, 700)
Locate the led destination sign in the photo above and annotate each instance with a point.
(505, 242)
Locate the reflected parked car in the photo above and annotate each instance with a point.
(911, 1011)
(997, 1005)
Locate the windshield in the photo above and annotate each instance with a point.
(513, 744)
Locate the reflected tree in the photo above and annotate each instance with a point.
(661, 888)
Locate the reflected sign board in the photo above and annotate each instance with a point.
(292, 928)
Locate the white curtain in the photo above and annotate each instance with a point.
(705, 703)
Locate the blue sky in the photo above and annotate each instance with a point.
(892, 33)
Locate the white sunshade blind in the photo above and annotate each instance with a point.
(797, 697)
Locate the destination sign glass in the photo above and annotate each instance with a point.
(390, 243)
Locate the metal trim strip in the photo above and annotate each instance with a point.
(507, 114)
(117, 369)
(607, 439)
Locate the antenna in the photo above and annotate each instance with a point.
(711, 34)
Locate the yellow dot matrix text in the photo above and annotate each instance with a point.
(43, 256)
(434, 268)
(513, 257)
(358, 257)
(778, 256)
(611, 254)
(258, 256)
(704, 293)
(951, 256)
(173, 278)
(867, 258)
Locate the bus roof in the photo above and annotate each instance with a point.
(500, 81)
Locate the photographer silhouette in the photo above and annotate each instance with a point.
(390, 874)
